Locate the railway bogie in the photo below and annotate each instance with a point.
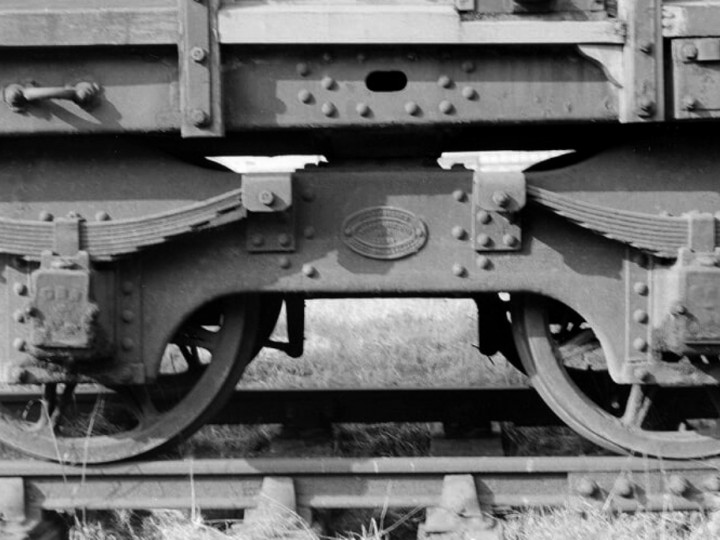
(130, 261)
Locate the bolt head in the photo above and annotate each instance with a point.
(483, 240)
(459, 270)
(266, 197)
(459, 232)
(308, 270)
(502, 199)
(199, 118)
(412, 108)
(363, 110)
(678, 485)
(328, 109)
(623, 487)
(446, 107)
(690, 52)
(198, 54)
(587, 487)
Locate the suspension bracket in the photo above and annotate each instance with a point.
(497, 201)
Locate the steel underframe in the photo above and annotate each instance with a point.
(501, 482)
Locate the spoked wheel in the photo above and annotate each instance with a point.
(639, 419)
(200, 368)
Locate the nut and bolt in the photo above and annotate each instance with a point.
(459, 233)
(199, 118)
(198, 54)
(266, 197)
(587, 487)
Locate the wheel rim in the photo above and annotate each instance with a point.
(625, 431)
(137, 425)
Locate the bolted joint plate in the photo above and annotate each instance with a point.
(268, 199)
(497, 201)
(267, 192)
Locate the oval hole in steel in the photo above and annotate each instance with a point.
(386, 81)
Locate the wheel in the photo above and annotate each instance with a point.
(200, 368)
(638, 419)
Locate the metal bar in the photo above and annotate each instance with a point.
(396, 24)
(365, 483)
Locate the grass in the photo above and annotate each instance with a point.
(385, 343)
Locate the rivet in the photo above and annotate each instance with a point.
(587, 487)
(102, 216)
(444, 81)
(509, 240)
(72, 214)
(483, 217)
(420, 232)
(412, 108)
(361, 57)
(20, 289)
(678, 485)
(469, 93)
(640, 316)
(199, 118)
(266, 197)
(501, 198)
(308, 270)
(712, 483)
(678, 309)
(348, 231)
(328, 83)
(411, 56)
(459, 233)
(623, 487)
(446, 107)
(128, 316)
(459, 195)
(689, 103)
(640, 288)
(328, 109)
(642, 374)
(19, 344)
(483, 262)
(128, 287)
(304, 96)
(646, 47)
(690, 51)
(257, 240)
(327, 57)
(198, 54)
(19, 316)
(362, 109)
(45, 216)
(309, 232)
(459, 270)
(284, 262)
(284, 240)
(468, 66)
(639, 344)
(302, 69)
(646, 107)
(308, 195)
(127, 344)
(483, 240)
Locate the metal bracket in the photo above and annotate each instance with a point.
(200, 81)
(701, 232)
(267, 197)
(497, 199)
(459, 514)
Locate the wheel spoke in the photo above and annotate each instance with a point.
(638, 405)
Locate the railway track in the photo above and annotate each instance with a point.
(457, 493)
